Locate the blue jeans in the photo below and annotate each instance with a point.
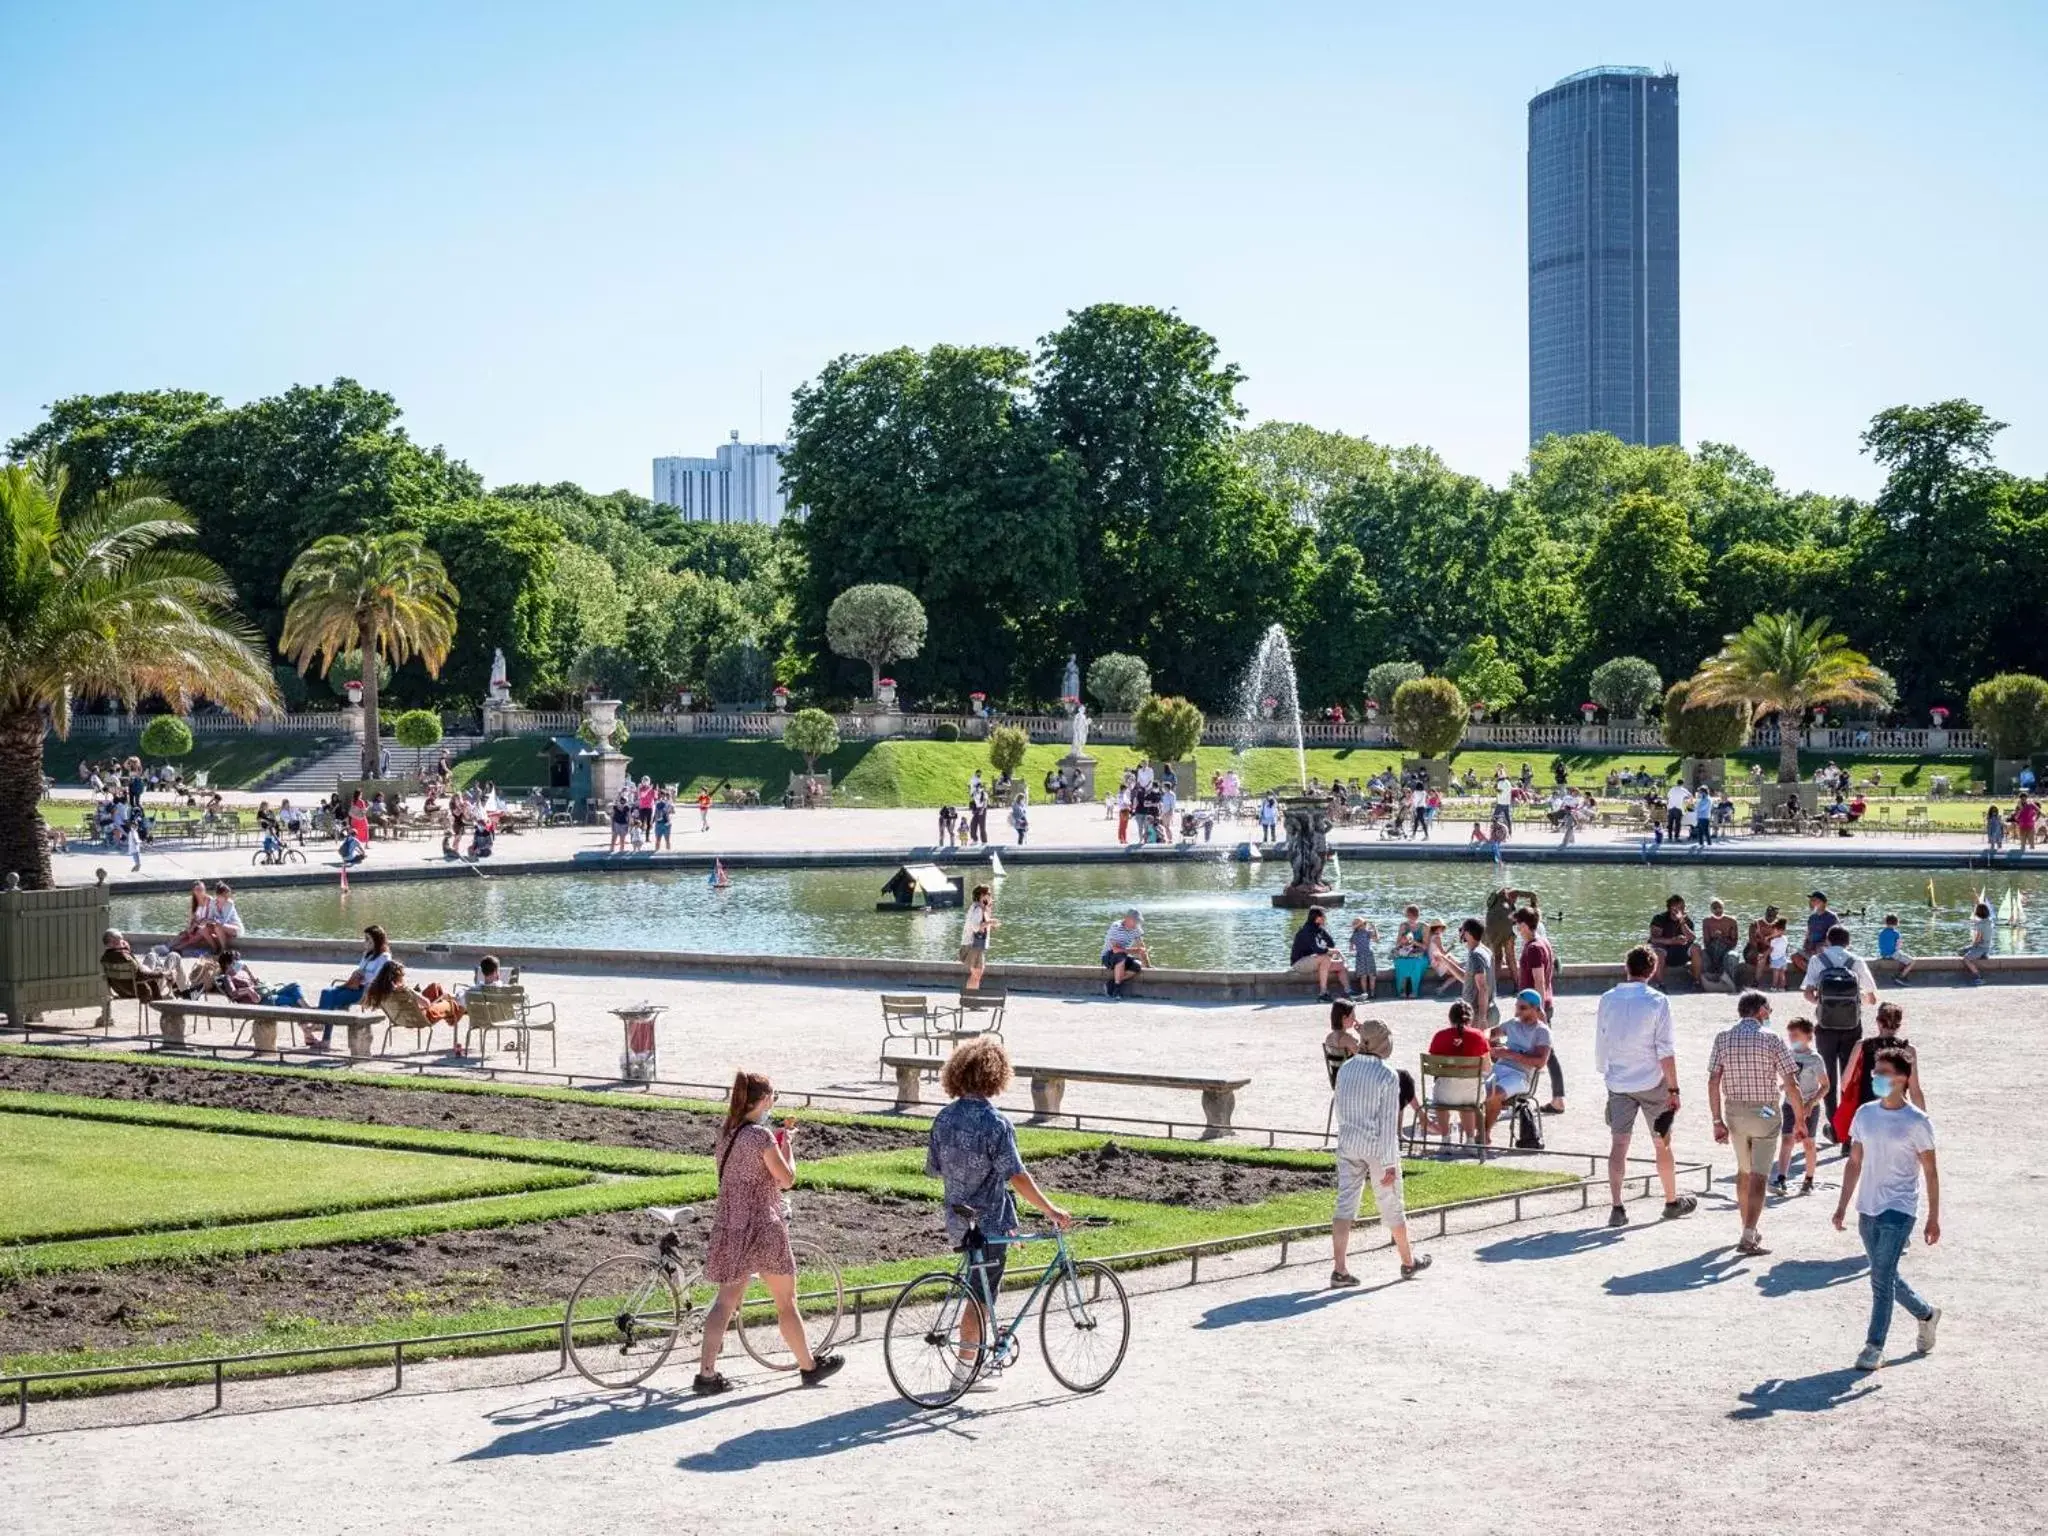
(1885, 1239)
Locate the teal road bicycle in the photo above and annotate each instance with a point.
(939, 1340)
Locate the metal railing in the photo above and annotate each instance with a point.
(216, 1366)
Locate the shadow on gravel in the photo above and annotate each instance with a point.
(1790, 1276)
(1694, 1274)
(1804, 1394)
(1277, 1309)
(851, 1430)
(595, 1419)
(1548, 1245)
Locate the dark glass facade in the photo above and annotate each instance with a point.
(1603, 256)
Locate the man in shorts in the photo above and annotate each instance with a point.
(1124, 954)
(1750, 1072)
(1369, 1152)
(1636, 1052)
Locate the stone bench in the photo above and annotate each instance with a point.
(262, 1018)
(1049, 1086)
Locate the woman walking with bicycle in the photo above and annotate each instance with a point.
(749, 1235)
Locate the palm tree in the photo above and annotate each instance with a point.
(374, 594)
(100, 606)
(1781, 664)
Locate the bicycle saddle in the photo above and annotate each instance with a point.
(668, 1215)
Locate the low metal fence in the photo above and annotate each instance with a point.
(198, 1370)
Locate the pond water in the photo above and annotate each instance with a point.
(1198, 916)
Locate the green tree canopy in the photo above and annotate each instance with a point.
(382, 595)
(1644, 583)
(1119, 682)
(2012, 712)
(875, 623)
(1625, 687)
(418, 729)
(1429, 715)
(739, 676)
(1486, 677)
(166, 736)
(101, 602)
(812, 733)
(1167, 730)
(1705, 730)
(1006, 748)
(1385, 680)
(1782, 664)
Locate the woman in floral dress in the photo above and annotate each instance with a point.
(749, 1235)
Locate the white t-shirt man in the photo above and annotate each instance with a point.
(1632, 1037)
(1892, 1141)
(1676, 798)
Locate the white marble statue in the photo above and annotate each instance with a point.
(1080, 729)
(501, 683)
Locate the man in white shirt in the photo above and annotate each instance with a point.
(1369, 1151)
(1676, 799)
(1891, 1146)
(1504, 803)
(1635, 1050)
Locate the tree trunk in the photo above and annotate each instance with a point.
(373, 734)
(875, 681)
(1788, 745)
(23, 850)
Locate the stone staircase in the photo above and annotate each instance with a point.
(316, 778)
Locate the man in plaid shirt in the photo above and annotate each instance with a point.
(1748, 1072)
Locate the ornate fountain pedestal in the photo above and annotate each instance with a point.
(1308, 852)
(1079, 769)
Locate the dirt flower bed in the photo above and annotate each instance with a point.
(422, 1277)
(1201, 1183)
(502, 1114)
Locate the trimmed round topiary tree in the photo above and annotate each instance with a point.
(1429, 715)
(2012, 712)
(813, 734)
(1119, 682)
(166, 736)
(418, 729)
(875, 623)
(1705, 730)
(1006, 747)
(1625, 687)
(1168, 728)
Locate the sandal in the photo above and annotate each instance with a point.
(821, 1367)
(710, 1386)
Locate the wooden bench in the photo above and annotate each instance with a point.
(262, 1020)
(1049, 1085)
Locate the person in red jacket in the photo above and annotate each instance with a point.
(1457, 1038)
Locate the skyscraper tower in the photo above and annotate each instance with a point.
(1603, 256)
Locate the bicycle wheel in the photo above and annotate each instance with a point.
(624, 1318)
(820, 1298)
(923, 1343)
(1084, 1327)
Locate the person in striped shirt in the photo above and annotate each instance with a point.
(1369, 1151)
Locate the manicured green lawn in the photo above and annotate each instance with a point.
(74, 1178)
(232, 760)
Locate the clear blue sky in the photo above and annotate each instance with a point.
(569, 237)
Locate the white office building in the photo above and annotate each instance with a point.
(741, 484)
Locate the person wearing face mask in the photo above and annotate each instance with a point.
(750, 1232)
(1892, 1147)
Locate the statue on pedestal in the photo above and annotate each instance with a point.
(1070, 680)
(1080, 730)
(1308, 856)
(501, 684)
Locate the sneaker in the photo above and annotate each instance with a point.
(1618, 1217)
(1684, 1205)
(1778, 1186)
(711, 1386)
(1871, 1359)
(1324, 997)
(1342, 1280)
(1927, 1326)
(821, 1367)
(1422, 1262)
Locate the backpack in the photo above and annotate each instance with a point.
(1841, 1002)
(1528, 1127)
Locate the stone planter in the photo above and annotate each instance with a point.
(1436, 769)
(263, 1035)
(50, 950)
(1695, 771)
(359, 1038)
